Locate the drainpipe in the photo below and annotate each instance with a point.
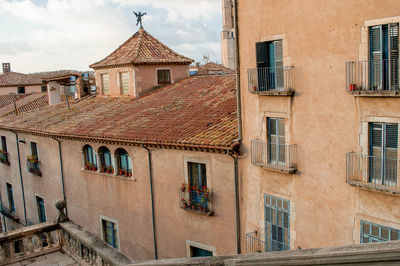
(238, 93)
(237, 209)
(20, 176)
(152, 202)
(62, 173)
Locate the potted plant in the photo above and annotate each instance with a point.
(183, 187)
(353, 87)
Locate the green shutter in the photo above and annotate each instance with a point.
(376, 56)
(394, 55)
(278, 64)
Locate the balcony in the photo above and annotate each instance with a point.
(196, 200)
(274, 156)
(373, 78)
(372, 172)
(254, 244)
(272, 81)
(33, 165)
(4, 157)
(9, 213)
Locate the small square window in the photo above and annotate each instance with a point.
(164, 76)
(21, 90)
(110, 233)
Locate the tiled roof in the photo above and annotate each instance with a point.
(9, 99)
(27, 103)
(52, 74)
(197, 111)
(211, 66)
(16, 79)
(142, 48)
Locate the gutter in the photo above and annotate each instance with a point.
(62, 174)
(237, 203)
(238, 93)
(20, 177)
(152, 202)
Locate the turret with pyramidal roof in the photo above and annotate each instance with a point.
(138, 65)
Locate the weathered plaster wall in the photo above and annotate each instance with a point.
(322, 118)
(14, 89)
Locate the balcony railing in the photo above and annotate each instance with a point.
(271, 80)
(4, 157)
(372, 77)
(275, 156)
(196, 200)
(33, 167)
(254, 244)
(372, 172)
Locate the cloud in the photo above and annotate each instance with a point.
(71, 34)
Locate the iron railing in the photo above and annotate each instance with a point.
(4, 157)
(372, 172)
(33, 167)
(372, 75)
(271, 79)
(254, 244)
(200, 201)
(276, 156)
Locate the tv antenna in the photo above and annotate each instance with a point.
(206, 58)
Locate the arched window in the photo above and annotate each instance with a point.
(124, 162)
(90, 159)
(105, 160)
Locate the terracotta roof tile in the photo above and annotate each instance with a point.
(142, 48)
(27, 103)
(16, 79)
(194, 111)
(9, 99)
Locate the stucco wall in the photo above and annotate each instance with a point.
(91, 195)
(141, 78)
(14, 89)
(322, 118)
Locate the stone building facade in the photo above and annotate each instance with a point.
(319, 85)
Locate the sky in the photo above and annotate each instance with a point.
(46, 35)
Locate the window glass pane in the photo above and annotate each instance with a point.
(276, 223)
(107, 159)
(124, 82)
(34, 148)
(124, 162)
(105, 82)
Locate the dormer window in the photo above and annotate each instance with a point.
(124, 82)
(164, 76)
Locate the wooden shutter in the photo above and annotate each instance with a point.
(376, 56)
(278, 64)
(375, 151)
(281, 138)
(394, 55)
(124, 82)
(105, 83)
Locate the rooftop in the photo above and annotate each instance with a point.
(197, 112)
(23, 103)
(142, 48)
(15, 78)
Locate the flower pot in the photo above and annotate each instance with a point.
(353, 87)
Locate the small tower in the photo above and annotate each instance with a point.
(228, 41)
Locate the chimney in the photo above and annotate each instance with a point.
(6, 67)
(53, 93)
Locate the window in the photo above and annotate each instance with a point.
(105, 160)
(124, 162)
(276, 223)
(89, 158)
(105, 83)
(269, 56)
(11, 204)
(3, 151)
(383, 142)
(199, 252)
(124, 82)
(41, 209)
(198, 181)
(110, 233)
(371, 232)
(163, 76)
(34, 151)
(21, 90)
(384, 56)
(43, 88)
(33, 160)
(276, 140)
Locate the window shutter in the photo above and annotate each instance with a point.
(279, 64)
(394, 55)
(376, 55)
(261, 54)
(105, 82)
(124, 80)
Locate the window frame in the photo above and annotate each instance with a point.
(122, 88)
(116, 235)
(162, 72)
(39, 209)
(10, 198)
(21, 90)
(105, 91)
(370, 237)
(276, 157)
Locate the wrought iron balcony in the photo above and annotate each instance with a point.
(372, 172)
(196, 200)
(4, 158)
(274, 156)
(373, 77)
(271, 80)
(33, 166)
(254, 244)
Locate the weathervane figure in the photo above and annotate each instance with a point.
(139, 18)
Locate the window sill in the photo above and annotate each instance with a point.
(197, 211)
(373, 93)
(5, 162)
(130, 178)
(38, 173)
(277, 168)
(273, 93)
